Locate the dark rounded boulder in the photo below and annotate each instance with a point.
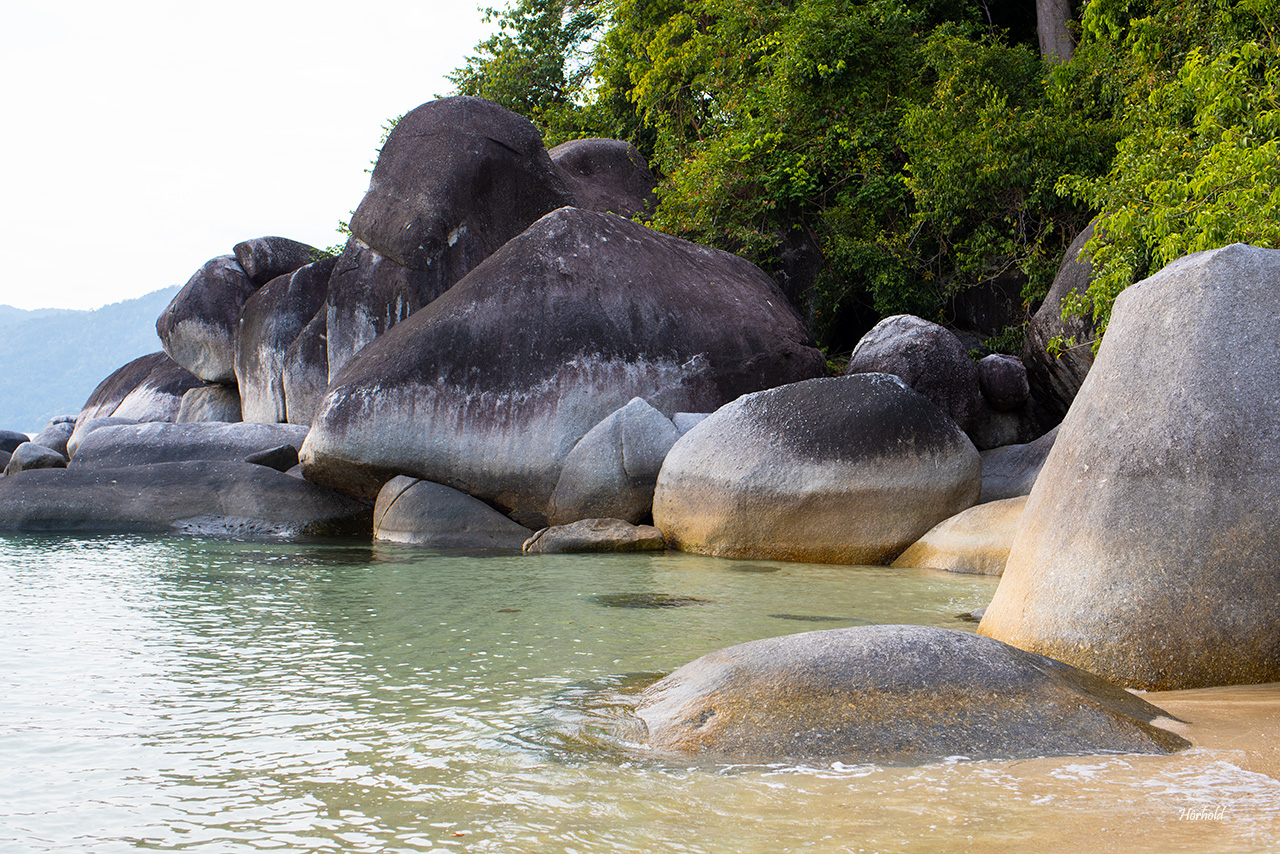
(457, 178)
(488, 388)
(150, 388)
(892, 695)
(846, 469)
(606, 175)
(56, 434)
(10, 439)
(198, 328)
(1003, 381)
(265, 258)
(122, 445)
(271, 321)
(30, 455)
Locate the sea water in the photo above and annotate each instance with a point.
(207, 695)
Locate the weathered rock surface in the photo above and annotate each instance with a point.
(419, 512)
(1012, 470)
(56, 434)
(892, 694)
(606, 175)
(271, 321)
(595, 535)
(1003, 381)
(306, 371)
(927, 357)
(1055, 380)
(611, 472)
(201, 497)
(848, 469)
(976, 541)
(488, 388)
(1148, 549)
(198, 329)
(29, 456)
(85, 426)
(150, 388)
(265, 258)
(211, 402)
(11, 439)
(281, 458)
(456, 179)
(5, 456)
(141, 444)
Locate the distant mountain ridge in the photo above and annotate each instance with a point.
(52, 359)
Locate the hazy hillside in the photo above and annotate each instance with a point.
(52, 359)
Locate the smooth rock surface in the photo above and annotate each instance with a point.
(606, 175)
(141, 444)
(422, 513)
(1003, 381)
(306, 371)
(265, 258)
(200, 497)
(1010, 471)
(280, 458)
(11, 439)
(85, 426)
(198, 328)
(489, 388)
(150, 388)
(975, 541)
(595, 535)
(891, 694)
(611, 472)
(1148, 549)
(55, 435)
(271, 321)
(846, 469)
(29, 456)
(211, 402)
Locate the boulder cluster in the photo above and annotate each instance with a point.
(503, 356)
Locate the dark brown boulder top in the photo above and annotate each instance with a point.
(606, 175)
(265, 258)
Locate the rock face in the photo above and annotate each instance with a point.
(488, 388)
(891, 694)
(85, 426)
(1012, 470)
(55, 435)
(456, 179)
(606, 175)
(265, 258)
(141, 444)
(422, 513)
(212, 402)
(840, 470)
(198, 329)
(210, 498)
(595, 535)
(928, 358)
(611, 472)
(11, 439)
(271, 321)
(976, 541)
(1055, 381)
(1147, 552)
(306, 371)
(29, 455)
(150, 388)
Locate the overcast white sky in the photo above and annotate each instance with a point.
(143, 137)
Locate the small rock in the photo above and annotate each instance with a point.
(595, 535)
(976, 541)
(29, 455)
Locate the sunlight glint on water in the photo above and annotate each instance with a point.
(206, 695)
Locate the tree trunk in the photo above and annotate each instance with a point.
(1052, 18)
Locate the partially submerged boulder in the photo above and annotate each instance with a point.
(488, 388)
(456, 179)
(141, 444)
(1148, 549)
(612, 470)
(891, 694)
(595, 535)
(199, 497)
(198, 328)
(606, 175)
(29, 456)
(975, 541)
(422, 513)
(847, 469)
(150, 388)
(265, 258)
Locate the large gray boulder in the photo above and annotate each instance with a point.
(1054, 380)
(456, 179)
(306, 371)
(85, 426)
(30, 455)
(612, 470)
(838, 470)
(266, 258)
(1011, 471)
(150, 388)
(1148, 549)
(210, 402)
(271, 321)
(198, 328)
(606, 175)
(422, 513)
(891, 694)
(488, 388)
(141, 444)
(201, 497)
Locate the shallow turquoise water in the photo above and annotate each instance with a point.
(182, 694)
